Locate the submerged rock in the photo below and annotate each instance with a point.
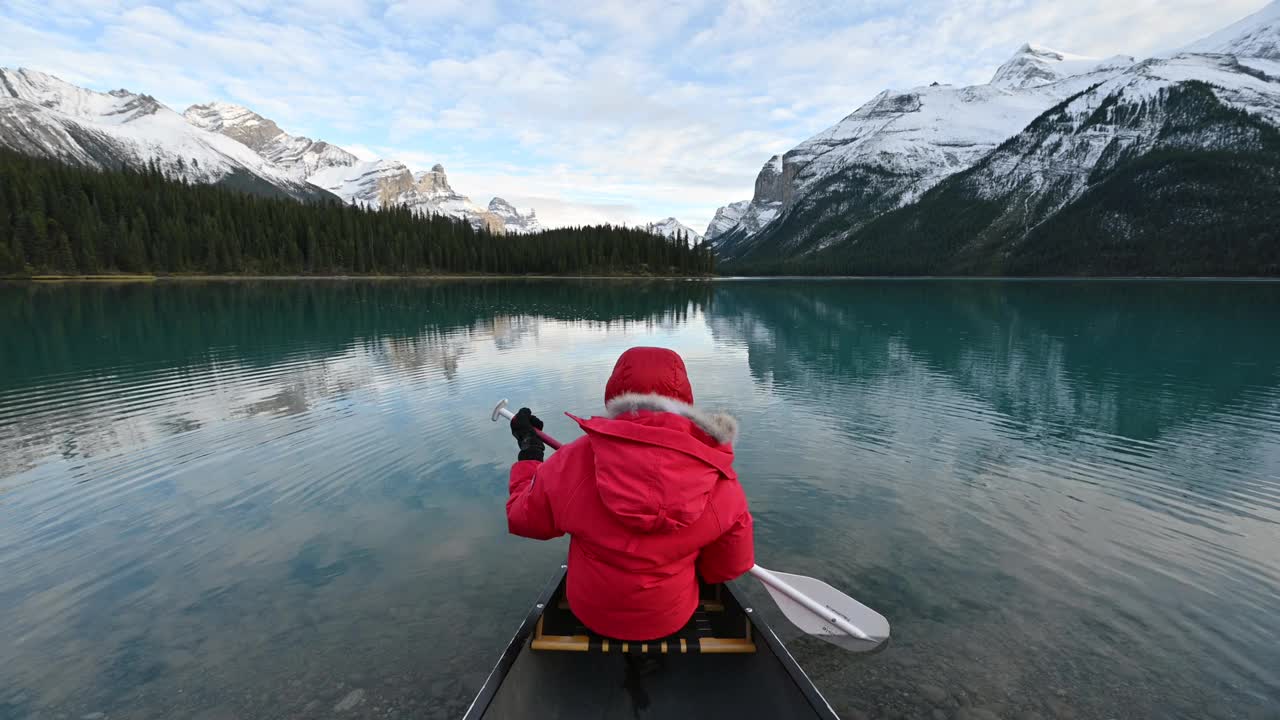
(971, 713)
(933, 694)
(1060, 709)
(352, 699)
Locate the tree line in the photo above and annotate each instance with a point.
(63, 219)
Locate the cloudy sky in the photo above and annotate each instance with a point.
(589, 110)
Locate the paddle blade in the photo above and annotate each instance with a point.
(864, 618)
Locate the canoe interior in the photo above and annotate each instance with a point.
(556, 685)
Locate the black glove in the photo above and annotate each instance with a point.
(523, 427)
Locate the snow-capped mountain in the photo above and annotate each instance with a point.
(1066, 150)
(891, 150)
(512, 219)
(371, 183)
(1257, 36)
(301, 157)
(220, 143)
(1034, 65)
(1172, 168)
(43, 115)
(673, 228)
(1166, 166)
(752, 215)
(725, 218)
(383, 183)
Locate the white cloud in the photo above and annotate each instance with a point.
(557, 212)
(362, 152)
(422, 16)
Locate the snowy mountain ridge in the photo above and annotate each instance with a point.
(46, 116)
(114, 108)
(894, 149)
(672, 228)
(1256, 36)
(1035, 65)
(223, 143)
(514, 220)
(1083, 142)
(1170, 169)
(301, 157)
(726, 218)
(369, 183)
(900, 144)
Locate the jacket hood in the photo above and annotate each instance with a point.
(649, 371)
(657, 460)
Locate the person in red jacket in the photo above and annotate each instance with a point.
(648, 497)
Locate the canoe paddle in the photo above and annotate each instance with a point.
(810, 604)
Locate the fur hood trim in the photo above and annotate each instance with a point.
(720, 426)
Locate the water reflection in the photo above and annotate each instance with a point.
(1087, 451)
(88, 346)
(1122, 358)
(254, 499)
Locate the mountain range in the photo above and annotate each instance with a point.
(221, 143)
(1061, 164)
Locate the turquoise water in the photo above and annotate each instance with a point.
(239, 499)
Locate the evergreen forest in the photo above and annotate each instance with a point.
(58, 219)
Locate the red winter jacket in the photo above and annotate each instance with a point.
(648, 497)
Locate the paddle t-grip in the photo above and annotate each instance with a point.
(500, 410)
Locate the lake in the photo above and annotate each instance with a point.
(263, 499)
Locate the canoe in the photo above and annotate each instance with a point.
(725, 663)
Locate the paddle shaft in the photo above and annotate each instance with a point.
(758, 572)
(809, 603)
(550, 441)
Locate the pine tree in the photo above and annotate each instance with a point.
(24, 237)
(36, 240)
(313, 250)
(61, 257)
(119, 243)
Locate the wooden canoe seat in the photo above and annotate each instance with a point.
(719, 625)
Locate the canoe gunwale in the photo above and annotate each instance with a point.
(499, 673)
(797, 673)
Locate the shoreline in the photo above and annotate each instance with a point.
(141, 278)
(334, 278)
